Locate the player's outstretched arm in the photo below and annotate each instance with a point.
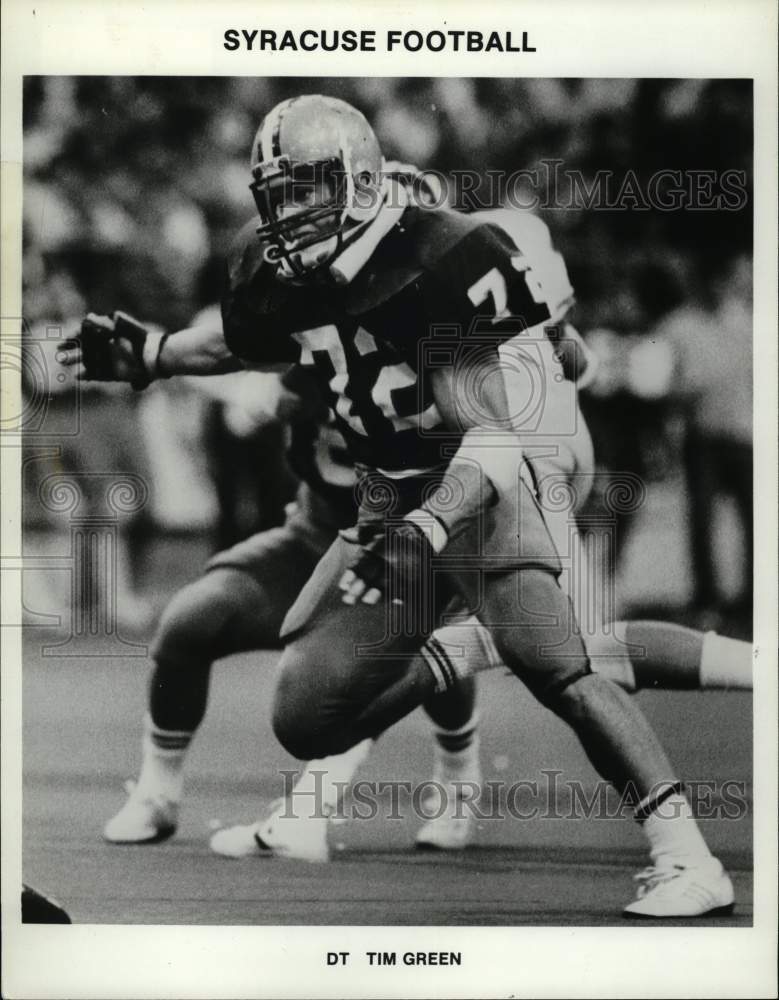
(197, 350)
(120, 349)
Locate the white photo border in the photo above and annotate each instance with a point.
(682, 38)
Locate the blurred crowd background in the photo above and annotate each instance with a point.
(134, 188)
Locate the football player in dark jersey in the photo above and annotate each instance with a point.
(434, 340)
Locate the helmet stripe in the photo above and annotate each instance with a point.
(270, 142)
(275, 141)
(266, 135)
(281, 111)
(269, 139)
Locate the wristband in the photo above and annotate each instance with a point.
(429, 524)
(152, 349)
(159, 370)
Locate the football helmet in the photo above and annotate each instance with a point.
(318, 182)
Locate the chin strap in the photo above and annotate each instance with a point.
(348, 264)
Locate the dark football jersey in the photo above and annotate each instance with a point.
(439, 283)
(318, 455)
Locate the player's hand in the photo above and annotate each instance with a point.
(390, 563)
(109, 349)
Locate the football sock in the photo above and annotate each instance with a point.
(457, 741)
(455, 730)
(457, 752)
(459, 650)
(452, 709)
(322, 783)
(646, 654)
(725, 663)
(667, 820)
(164, 752)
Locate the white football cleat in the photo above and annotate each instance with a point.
(238, 841)
(694, 891)
(451, 831)
(143, 819)
(301, 837)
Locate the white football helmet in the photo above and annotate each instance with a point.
(318, 181)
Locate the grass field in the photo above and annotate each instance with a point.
(82, 721)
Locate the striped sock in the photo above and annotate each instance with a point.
(440, 664)
(459, 650)
(668, 823)
(456, 741)
(456, 756)
(164, 753)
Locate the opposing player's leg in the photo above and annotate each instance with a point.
(660, 655)
(238, 604)
(637, 655)
(634, 654)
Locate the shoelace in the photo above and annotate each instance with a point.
(650, 878)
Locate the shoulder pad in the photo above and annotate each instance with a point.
(433, 232)
(531, 237)
(528, 231)
(411, 249)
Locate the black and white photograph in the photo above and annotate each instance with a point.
(388, 543)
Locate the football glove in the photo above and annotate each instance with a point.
(394, 562)
(117, 349)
